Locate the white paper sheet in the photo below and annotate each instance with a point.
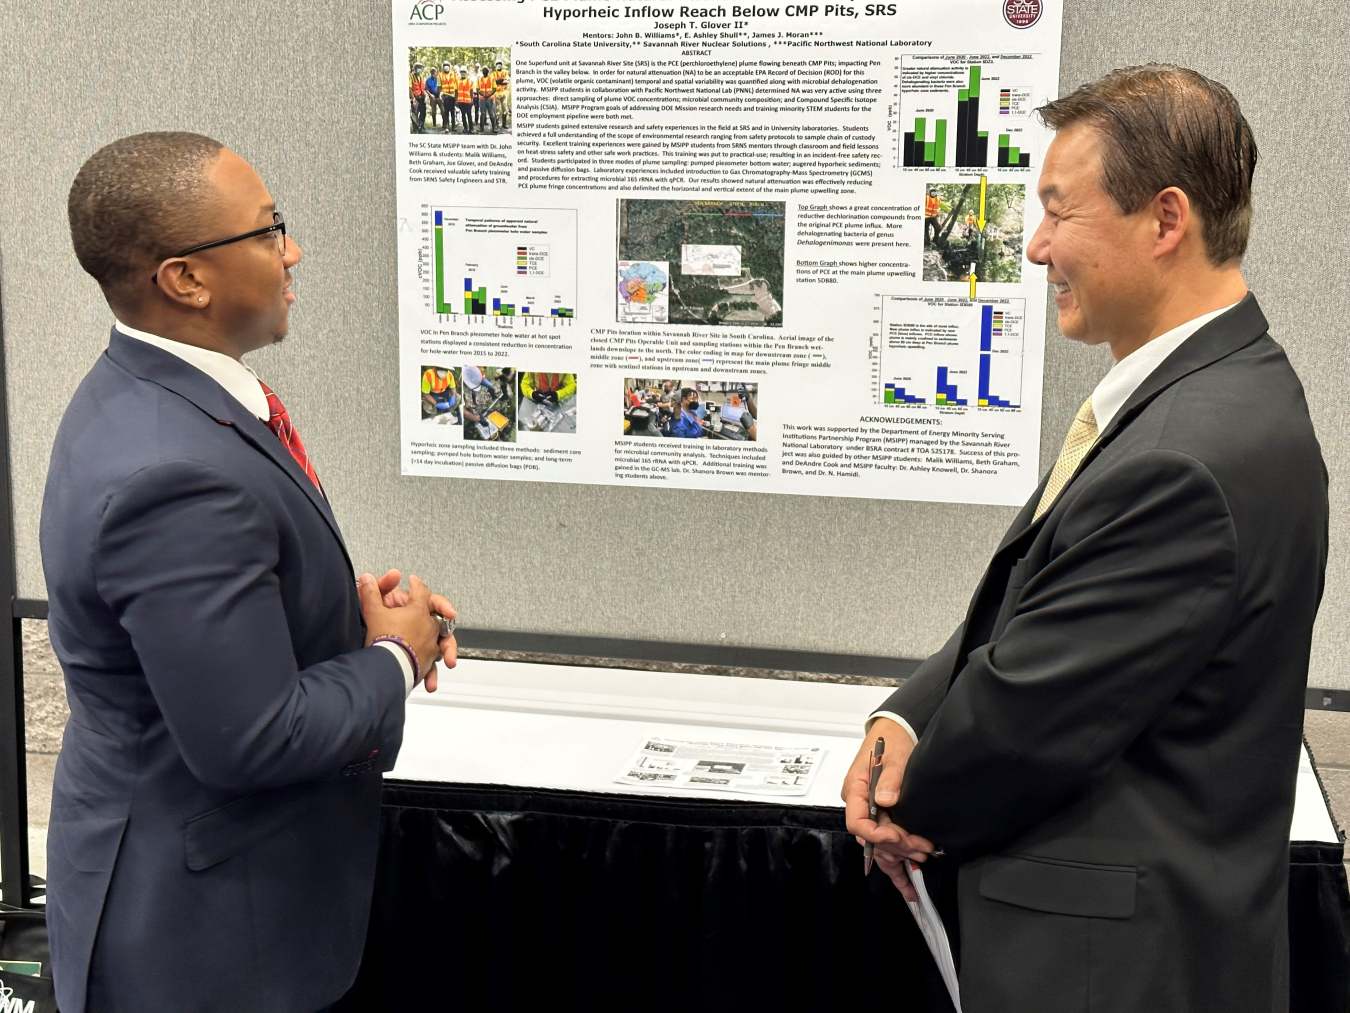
(934, 934)
(723, 766)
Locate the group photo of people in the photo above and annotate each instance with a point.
(691, 409)
(459, 89)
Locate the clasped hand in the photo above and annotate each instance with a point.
(893, 846)
(410, 614)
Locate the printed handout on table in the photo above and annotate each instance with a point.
(723, 766)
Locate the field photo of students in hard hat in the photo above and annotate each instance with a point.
(440, 394)
(969, 229)
(460, 90)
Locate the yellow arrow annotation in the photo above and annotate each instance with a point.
(984, 183)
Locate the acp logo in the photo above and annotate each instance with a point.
(426, 13)
(1022, 13)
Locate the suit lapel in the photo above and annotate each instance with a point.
(252, 429)
(1219, 338)
(157, 366)
(1022, 523)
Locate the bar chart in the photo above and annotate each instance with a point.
(898, 395)
(1011, 155)
(950, 353)
(947, 390)
(516, 265)
(951, 104)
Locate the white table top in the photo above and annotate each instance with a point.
(570, 727)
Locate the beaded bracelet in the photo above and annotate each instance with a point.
(407, 649)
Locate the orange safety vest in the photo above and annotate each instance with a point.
(464, 94)
(931, 207)
(548, 382)
(436, 383)
(486, 86)
(503, 80)
(415, 83)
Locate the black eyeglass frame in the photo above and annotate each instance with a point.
(278, 225)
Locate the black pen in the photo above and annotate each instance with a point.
(877, 753)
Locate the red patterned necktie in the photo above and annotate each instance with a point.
(279, 421)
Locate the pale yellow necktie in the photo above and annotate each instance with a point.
(1082, 435)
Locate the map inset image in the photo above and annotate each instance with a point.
(725, 257)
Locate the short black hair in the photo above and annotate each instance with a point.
(139, 200)
(1163, 125)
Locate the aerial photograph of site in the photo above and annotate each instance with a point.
(712, 262)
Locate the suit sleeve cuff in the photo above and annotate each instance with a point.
(405, 666)
(893, 717)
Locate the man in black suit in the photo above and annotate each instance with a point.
(234, 695)
(1104, 752)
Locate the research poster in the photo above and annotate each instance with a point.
(771, 248)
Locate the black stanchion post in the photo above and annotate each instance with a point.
(14, 884)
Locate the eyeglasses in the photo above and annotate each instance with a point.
(277, 228)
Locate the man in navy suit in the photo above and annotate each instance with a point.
(235, 694)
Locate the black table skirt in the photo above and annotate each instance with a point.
(490, 898)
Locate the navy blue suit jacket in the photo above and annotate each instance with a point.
(214, 817)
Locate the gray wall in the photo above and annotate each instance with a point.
(303, 93)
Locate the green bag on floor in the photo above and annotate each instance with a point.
(23, 944)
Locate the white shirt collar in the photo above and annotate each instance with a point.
(1127, 374)
(239, 381)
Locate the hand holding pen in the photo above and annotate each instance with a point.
(871, 788)
(878, 751)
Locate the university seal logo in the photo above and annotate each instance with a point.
(1022, 13)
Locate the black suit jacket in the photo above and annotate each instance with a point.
(1108, 744)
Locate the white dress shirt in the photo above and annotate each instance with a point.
(242, 384)
(1126, 375)
(1108, 398)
